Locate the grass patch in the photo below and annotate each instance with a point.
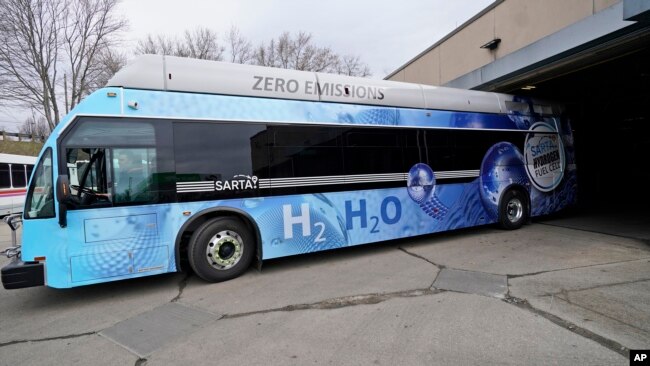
(28, 148)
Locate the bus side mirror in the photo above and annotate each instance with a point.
(63, 188)
(63, 196)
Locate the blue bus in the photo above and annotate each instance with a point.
(180, 163)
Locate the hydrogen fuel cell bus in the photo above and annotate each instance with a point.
(189, 162)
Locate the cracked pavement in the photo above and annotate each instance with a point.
(542, 294)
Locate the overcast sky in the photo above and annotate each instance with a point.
(385, 34)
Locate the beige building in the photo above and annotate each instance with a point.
(511, 35)
(591, 55)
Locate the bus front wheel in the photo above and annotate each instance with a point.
(221, 249)
(513, 210)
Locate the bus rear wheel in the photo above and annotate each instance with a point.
(513, 210)
(221, 249)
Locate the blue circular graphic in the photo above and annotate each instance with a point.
(421, 182)
(502, 166)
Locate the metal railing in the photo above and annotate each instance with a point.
(22, 136)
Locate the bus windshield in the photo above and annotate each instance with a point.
(40, 197)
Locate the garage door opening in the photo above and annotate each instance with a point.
(609, 106)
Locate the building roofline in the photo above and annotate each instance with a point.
(596, 37)
(443, 39)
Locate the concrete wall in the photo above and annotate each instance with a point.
(517, 23)
(425, 68)
(462, 51)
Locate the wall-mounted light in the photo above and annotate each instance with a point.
(493, 44)
(528, 87)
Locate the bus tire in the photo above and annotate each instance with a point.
(513, 210)
(221, 249)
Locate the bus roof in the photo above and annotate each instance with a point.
(168, 73)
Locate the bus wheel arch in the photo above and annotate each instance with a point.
(514, 207)
(197, 220)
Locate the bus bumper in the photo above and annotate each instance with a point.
(19, 274)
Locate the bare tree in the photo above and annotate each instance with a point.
(299, 52)
(265, 55)
(30, 42)
(287, 51)
(37, 127)
(201, 43)
(109, 61)
(240, 48)
(91, 23)
(352, 66)
(42, 39)
(158, 45)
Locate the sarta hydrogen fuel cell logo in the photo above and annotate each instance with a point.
(544, 156)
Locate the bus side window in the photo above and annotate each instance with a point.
(440, 151)
(86, 169)
(372, 151)
(133, 175)
(470, 147)
(220, 152)
(5, 180)
(300, 151)
(413, 150)
(304, 151)
(94, 147)
(18, 175)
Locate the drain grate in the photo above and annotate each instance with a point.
(146, 332)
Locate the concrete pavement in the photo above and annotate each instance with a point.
(543, 294)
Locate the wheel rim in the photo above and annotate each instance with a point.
(514, 210)
(224, 250)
